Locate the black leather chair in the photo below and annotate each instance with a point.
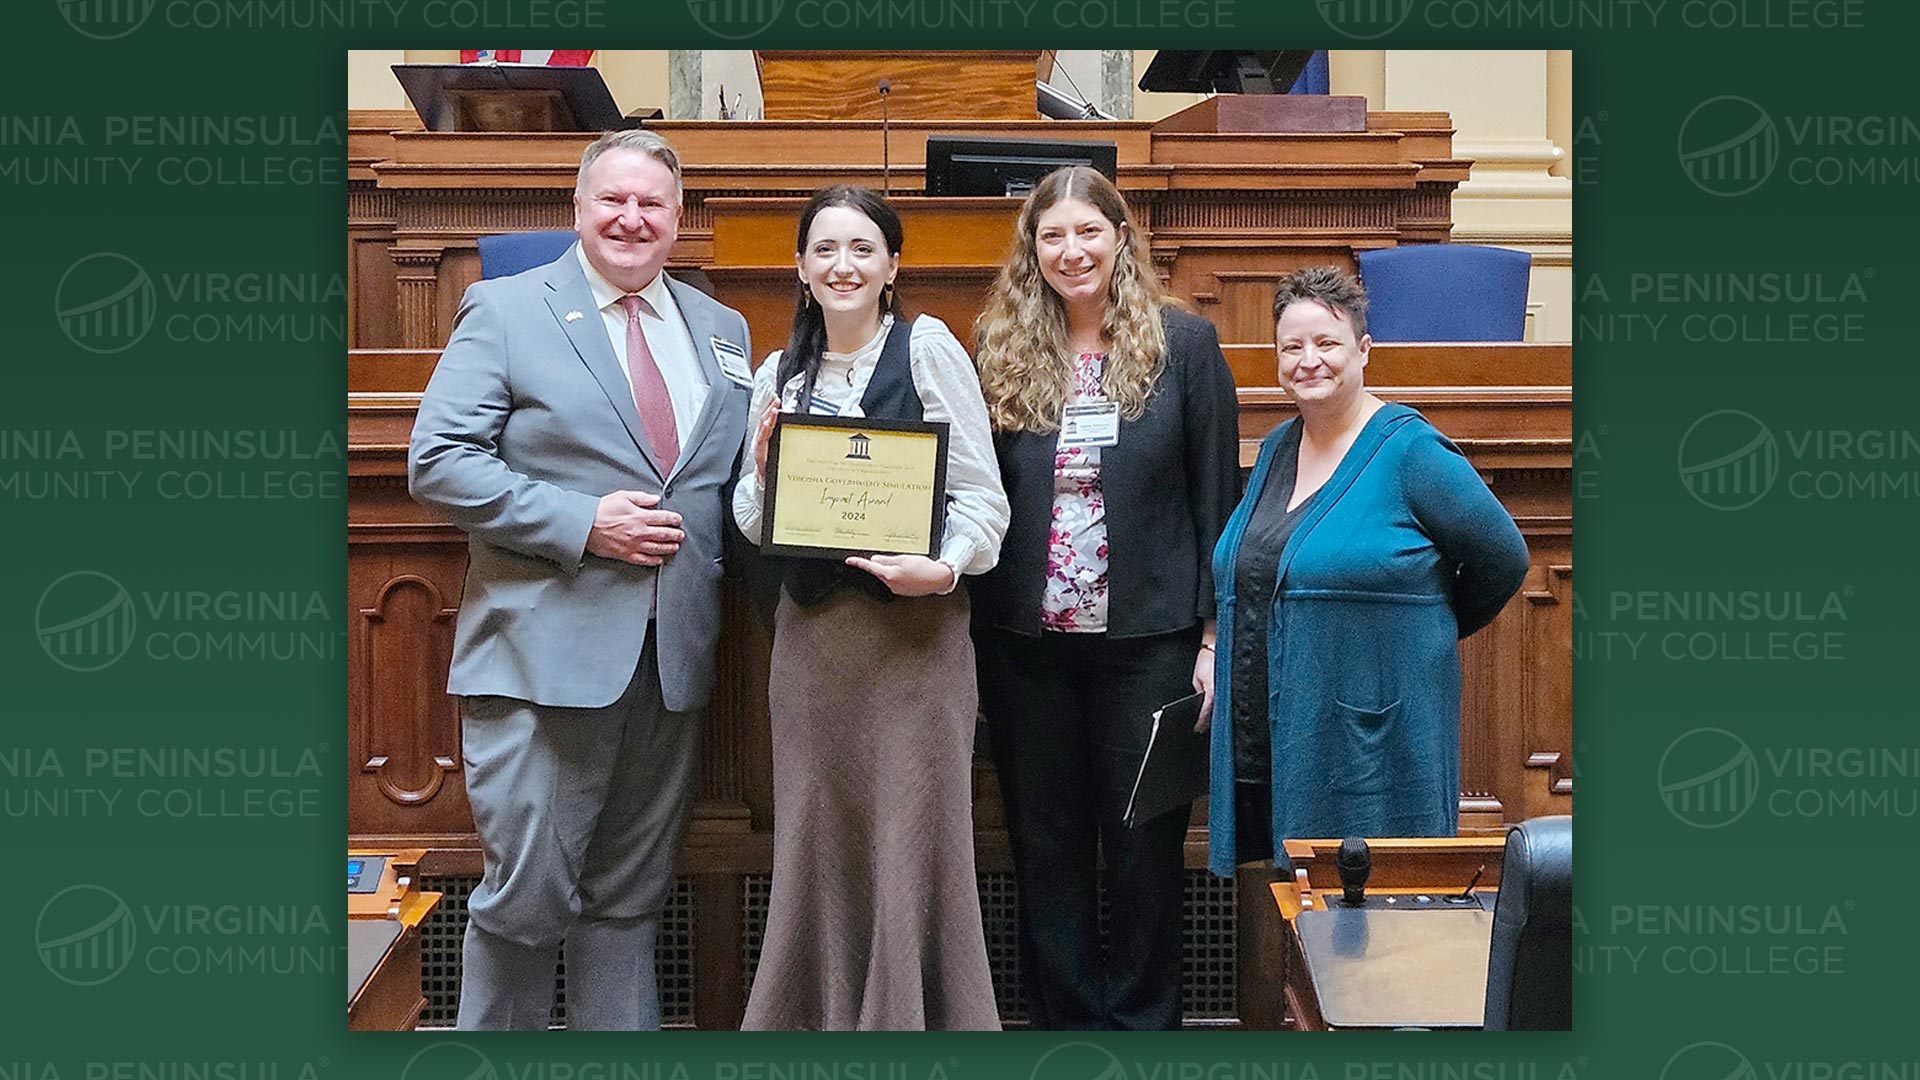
(1530, 966)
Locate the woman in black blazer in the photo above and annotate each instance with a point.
(1116, 429)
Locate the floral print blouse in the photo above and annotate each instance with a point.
(1076, 595)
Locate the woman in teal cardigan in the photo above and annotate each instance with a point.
(1365, 547)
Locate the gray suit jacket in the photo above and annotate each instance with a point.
(527, 421)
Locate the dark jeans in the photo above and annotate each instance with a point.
(1069, 716)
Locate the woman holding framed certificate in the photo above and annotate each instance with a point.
(1115, 425)
(874, 919)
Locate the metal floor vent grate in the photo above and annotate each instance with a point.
(1209, 972)
(1209, 975)
(440, 955)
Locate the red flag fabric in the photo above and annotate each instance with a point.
(549, 57)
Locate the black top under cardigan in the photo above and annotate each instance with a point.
(1170, 484)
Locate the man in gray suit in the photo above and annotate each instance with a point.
(582, 427)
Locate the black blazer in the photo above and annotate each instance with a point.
(1170, 484)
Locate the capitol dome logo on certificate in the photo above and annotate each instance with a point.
(855, 486)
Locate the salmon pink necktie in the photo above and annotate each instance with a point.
(650, 387)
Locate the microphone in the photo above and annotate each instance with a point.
(886, 132)
(1356, 865)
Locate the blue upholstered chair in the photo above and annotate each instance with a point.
(1445, 292)
(1530, 963)
(510, 253)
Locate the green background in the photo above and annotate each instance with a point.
(1810, 874)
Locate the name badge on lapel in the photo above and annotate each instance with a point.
(1090, 425)
(733, 361)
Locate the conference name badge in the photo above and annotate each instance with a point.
(1090, 425)
(733, 361)
(854, 486)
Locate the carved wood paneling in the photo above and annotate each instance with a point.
(1426, 213)
(724, 769)
(466, 214)
(417, 276)
(409, 741)
(1218, 212)
(459, 268)
(373, 301)
(1487, 697)
(403, 730)
(373, 309)
(1233, 204)
(1547, 738)
(370, 206)
(695, 216)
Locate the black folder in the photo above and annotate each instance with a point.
(1173, 772)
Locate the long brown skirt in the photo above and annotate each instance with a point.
(874, 920)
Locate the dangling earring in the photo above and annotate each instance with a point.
(806, 296)
(886, 297)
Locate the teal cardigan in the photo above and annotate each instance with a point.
(1403, 552)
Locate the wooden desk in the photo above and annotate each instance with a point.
(383, 945)
(1224, 213)
(1432, 974)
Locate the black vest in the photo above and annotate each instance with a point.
(890, 395)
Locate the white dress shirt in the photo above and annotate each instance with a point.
(667, 339)
(949, 388)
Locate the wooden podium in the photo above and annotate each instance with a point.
(932, 84)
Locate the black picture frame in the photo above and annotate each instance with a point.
(769, 496)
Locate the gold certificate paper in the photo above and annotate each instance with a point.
(839, 487)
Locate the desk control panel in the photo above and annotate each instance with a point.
(1478, 900)
(363, 873)
(377, 881)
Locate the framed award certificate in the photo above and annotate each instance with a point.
(838, 487)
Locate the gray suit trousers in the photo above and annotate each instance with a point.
(580, 814)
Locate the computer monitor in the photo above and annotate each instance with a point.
(970, 165)
(1225, 72)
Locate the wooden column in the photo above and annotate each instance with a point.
(418, 281)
